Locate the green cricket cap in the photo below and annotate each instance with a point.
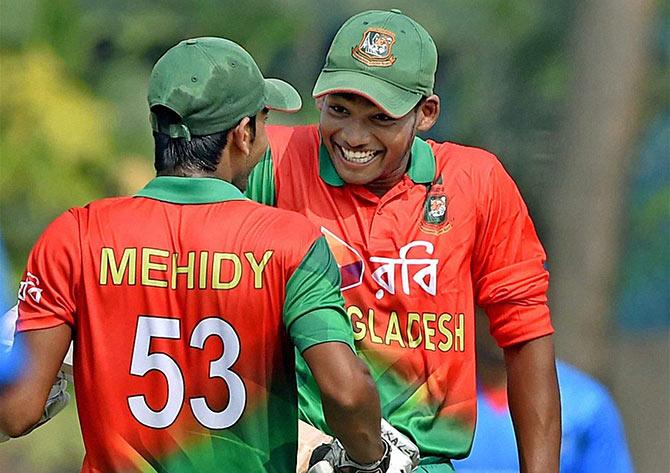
(212, 83)
(384, 56)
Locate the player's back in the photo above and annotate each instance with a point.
(182, 358)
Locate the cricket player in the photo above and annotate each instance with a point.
(421, 231)
(185, 302)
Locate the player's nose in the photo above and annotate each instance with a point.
(355, 135)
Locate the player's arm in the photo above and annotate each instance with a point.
(534, 404)
(22, 402)
(321, 331)
(13, 355)
(511, 285)
(349, 397)
(44, 318)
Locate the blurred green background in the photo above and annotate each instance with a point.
(572, 96)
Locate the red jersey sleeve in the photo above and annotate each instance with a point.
(510, 279)
(46, 293)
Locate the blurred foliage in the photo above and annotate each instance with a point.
(73, 114)
(55, 147)
(643, 298)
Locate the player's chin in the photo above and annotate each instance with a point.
(359, 174)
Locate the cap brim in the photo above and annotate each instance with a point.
(395, 101)
(280, 95)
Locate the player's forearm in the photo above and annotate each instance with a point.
(534, 404)
(349, 398)
(20, 406)
(22, 402)
(17, 416)
(353, 414)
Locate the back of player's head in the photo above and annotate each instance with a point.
(201, 88)
(384, 56)
(201, 153)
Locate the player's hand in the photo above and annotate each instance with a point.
(56, 402)
(332, 458)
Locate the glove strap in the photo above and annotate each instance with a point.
(380, 466)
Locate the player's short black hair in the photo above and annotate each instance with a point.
(177, 156)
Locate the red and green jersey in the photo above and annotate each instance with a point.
(453, 232)
(186, 302)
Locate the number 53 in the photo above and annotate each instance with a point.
(143, 361)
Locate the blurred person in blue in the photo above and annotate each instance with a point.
(593, 439)
(10, 362)
(5, 300)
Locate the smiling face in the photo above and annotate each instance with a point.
(367, 146)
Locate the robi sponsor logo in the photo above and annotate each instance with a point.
(423, 271)
(29, 287)
(416, 269)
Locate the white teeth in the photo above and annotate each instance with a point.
(358, 157)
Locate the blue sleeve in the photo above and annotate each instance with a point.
(605, 448)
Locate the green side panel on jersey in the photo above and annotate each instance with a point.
(261, 186)
(253, 444)
(314, 307)
(405, 405)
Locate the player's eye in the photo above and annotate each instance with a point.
(382, 117)
(338, 109)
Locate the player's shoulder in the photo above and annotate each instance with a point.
(277, 217)
(448, 152)
(291, 139)
(77, 214)
(68, 224)
(284, 133)
(280, 224)
(100, 208)
(107, 202)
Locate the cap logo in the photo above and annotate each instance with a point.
(374, 48)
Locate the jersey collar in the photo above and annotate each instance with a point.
(421, 165)
(190, 190)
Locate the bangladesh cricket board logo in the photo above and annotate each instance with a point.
(434, 220)
(374, 49)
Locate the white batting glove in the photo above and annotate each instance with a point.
(401, 442)
(332, 458)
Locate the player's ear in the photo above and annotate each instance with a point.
(319, 102)
(428, 111)
(241, 136)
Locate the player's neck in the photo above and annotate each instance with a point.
(381, 186)
(185, 173)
